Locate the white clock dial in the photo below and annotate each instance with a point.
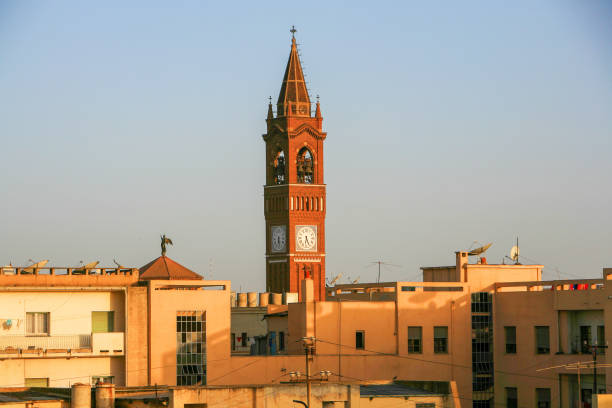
(279, 238)
(306, 238)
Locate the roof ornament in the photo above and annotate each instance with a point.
(293, 31)
(165, 241)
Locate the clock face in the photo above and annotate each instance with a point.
(279, 238)
(306, 238)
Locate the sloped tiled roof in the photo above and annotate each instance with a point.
(165, 268)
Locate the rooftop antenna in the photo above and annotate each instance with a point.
(356, 280)
(379, 263)
(118, 264)
(210, 267)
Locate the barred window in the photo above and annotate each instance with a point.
(441, 339)
(415, 339)
(190, 348)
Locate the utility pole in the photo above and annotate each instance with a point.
(309, 346)
(307, 352)
(594, 349)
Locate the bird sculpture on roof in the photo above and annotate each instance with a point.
(164, 242)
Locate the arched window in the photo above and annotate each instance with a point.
(279, 168)
(305, 167)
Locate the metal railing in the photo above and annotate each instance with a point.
(71, 342)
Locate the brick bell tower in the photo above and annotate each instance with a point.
(294, 193)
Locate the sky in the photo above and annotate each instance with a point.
(450, 125)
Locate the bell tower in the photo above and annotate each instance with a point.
(294, 193)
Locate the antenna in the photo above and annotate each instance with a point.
(379, 263)
(356, 280)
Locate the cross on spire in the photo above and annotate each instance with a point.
(293, 30)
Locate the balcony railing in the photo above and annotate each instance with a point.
(46, 342)
(79, 344)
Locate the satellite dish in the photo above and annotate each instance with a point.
(514, 253)
(335, 279)
(35, 265)
(480, 250)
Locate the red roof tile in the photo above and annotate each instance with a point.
(165, 268)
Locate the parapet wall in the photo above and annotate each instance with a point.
(263, 299)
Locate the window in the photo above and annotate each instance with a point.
(305, 167)
(100, 379)
(542, 340)
(279, 168)
(281, 341)
(510, 339)
(37, 323)
(415, 337)
(190, 348)
(543, 397)
(585, 339)
(243, 339)
(102, 322)
(36, 382)
(441, 339)
(511, 397)
(360, 340)
(233, 340)
(601, 339)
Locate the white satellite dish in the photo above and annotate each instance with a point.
(514, 253)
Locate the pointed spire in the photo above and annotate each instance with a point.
(270, 112)
(318, 111)
(293, 88)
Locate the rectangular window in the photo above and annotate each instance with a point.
(543, 397)
(37, 323)
(601, 339)
(281, 341)
(360, 340)
(585, 339)
(441, 339)
(102, 322)
(542, 339)
(511, 397)
(415, 339)
(102, 379)
(190, 348)
(37, 382)
(243, 339)
(233, 340)
(510, 339)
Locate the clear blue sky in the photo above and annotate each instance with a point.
(448, 123)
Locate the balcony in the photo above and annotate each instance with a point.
(78, 345)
